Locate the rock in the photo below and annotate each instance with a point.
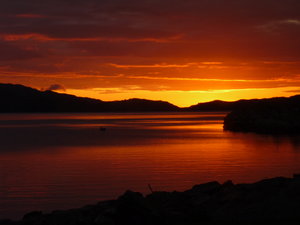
(296, 176)
(130, 196)
(6, 222)
(33, 215)
(228, 184)
(159, 198)
(270, 201)
(132, 210)
(104, 220)
(207, 188)
(34, 218)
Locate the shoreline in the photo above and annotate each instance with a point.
(268, 201)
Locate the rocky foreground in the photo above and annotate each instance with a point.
(271, 201)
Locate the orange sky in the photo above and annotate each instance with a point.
(184, 52)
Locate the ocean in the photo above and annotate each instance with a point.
(61, 161)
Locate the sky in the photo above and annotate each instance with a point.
(184, 52)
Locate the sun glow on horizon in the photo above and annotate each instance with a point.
(184, 98)
(120, 50)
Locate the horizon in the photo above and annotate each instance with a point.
(183, 53)
(181, 95)
(125, 99)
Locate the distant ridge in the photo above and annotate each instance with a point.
(229, 106)
(19, 98)
(217, 105)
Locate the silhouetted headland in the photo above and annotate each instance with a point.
(267, 116)
(18, 98)
(270, 201)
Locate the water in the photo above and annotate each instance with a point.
(61, 161)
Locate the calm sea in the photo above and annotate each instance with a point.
(61, 161)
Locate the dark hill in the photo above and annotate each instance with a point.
(269, 116)
(136, 104)
(18, 98)
(219, 105)
(216, 105)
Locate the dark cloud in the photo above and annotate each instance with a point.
(211, 50)
(134, 19)
(201, 27)
(119, 31)
(293, 91)
(14, 52)
(55, 87)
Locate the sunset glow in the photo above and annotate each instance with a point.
(181, 52)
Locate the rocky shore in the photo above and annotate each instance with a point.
(270, 201)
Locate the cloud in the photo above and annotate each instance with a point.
(55, 87)
(153, 28)
(162, 65)
(14, 52)
(172, 42)
(30, 16)
(293, 91)
(279, 80)
(276, 26)
(140, 19)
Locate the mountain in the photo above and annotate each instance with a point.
(19, 98)
(216, 105)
